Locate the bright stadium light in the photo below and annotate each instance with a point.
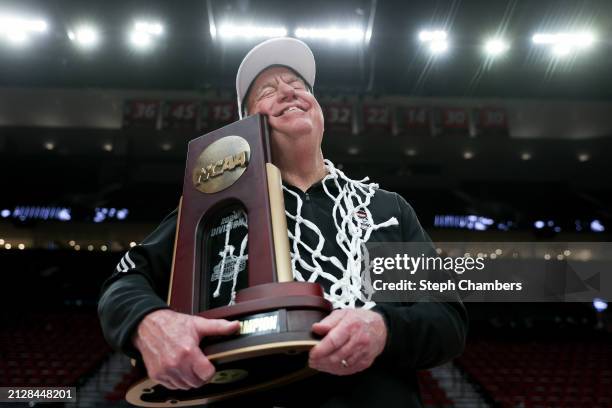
(17, 30)
(428, 36)
(436, 40)
(600, 304)
(152, 28)
(348, 34)
(143, 33)
(561, 50)
(368, 35)
(496, 46)
(140, 40)
(213, 30)
(438, 47)
(248, 31)
(562, 44)
(597, 226)
(85, 36)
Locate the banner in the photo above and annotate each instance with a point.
(141, 114)
(415, 120)
(377, 119)
(338, 117)
(180, 115)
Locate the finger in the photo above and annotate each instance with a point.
(191, 379)
(216, 327)
(170, 383)
(334, 369)
(204, 369)
(357, 359)
(177, 380)
(165, 382)
(335, 339)
(343, 353)
(325, 325)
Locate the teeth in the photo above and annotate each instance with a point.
(293, 108)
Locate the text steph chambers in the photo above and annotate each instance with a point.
(464, 284)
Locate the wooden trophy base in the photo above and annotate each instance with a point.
(271, 349)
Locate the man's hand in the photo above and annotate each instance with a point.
(353, 339)
(170, 346)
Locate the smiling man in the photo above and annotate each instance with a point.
(369, 352)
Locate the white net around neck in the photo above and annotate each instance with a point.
(350, 204)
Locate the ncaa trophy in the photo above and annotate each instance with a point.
(230, 169)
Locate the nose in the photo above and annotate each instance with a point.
(285, 92)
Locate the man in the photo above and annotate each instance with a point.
(369, 352)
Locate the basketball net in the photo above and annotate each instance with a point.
(350, 204)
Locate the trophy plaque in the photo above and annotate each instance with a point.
(228, 173)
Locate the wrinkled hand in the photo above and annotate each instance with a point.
(355, 336)
(170, 346)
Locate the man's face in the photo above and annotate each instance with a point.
(293, 112)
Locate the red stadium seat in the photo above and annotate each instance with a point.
(541, 374)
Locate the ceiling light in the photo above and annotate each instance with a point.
(85, 36)
(438, 47)
(248, 32)
(436, 40)
(584, 157)
(562, 44)
(496, 46)
(581, 40)
(348, 34)
(152, 28)
(437, 35)
(144, 33)
(17, 30)
(561, 50)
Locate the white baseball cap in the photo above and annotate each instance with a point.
(284, 51)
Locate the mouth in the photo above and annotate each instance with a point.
(289, 110)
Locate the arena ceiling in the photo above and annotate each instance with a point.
(192, 54)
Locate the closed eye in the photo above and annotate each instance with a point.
(265, 93)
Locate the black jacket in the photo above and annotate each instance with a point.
(420, 335)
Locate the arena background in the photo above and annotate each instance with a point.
(489, 141)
